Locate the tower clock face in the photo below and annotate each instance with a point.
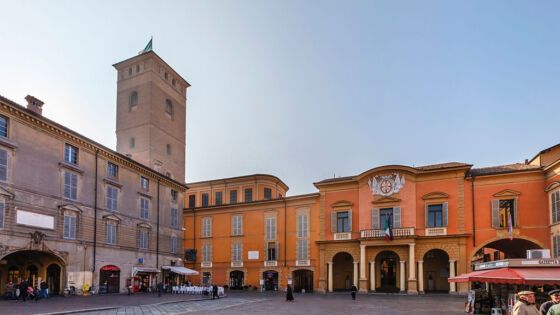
(386, 186)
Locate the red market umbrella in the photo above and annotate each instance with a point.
(512, 276)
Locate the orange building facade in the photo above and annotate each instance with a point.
(243, 231)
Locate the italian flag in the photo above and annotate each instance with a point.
(388, 230)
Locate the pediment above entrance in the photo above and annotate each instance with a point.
(112, 217)
(435, 195)
(507, 193)
(388, 199)
(144, 225)
(70, 207)
(552, 186)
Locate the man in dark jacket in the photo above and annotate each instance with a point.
(555, 296)
(23, 289)
(354, 290)
(44, 290)
(215, 291)
(159, 288)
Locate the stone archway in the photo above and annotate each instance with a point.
(515, 248)
(387, 265)
(436, 271)
(343, 271)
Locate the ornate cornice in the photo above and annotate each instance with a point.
(507, 193)
(435, 195)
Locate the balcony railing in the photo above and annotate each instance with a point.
(435, 231)
(400, 232)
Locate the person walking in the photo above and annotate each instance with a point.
(23, 289)
(159, 288)
(555, 299)
(44, 293)
(215, 291)
(354, 290)
(526, 304)
(289, 294)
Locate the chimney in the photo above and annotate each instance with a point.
(526, 161)
(34, 104)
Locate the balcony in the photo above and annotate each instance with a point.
(400, 232)
(236, 264)
(436, 231)
(342, 236)
(270, 263)
(206, 264)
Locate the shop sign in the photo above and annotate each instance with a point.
(492, 265)
(543, 261)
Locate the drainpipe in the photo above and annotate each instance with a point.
(194, 234)
(157, 228)
(95, 214)
(285, 233)
(473, 224)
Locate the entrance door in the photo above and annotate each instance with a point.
(343, 271)
(387, 271)
(236, 280)
(109, 279)
(53, 279)
(31, 274)
(270, 280)
(303, 280)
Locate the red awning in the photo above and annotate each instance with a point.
(512, 276)
(110, 268)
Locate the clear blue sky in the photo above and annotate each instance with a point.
(305, 89)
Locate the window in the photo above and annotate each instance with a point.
(69, 230)
(133, 99)
(13, 274)
(173, 245)
(302, 250)
(174, 217)
(112, 198)
(385, 217)
(3, 165)
(271, 250)
(233, 196)
(143, 239)
(218, 200)
(129, 71)
(111, 234)
(302, 225)
(173, 82)
(165, 75)
(270, 225)
(555, 206)
(132, 143)
(2, 207)
(267, 193)
(168, 149)
(236, 252)
(342, 222)
(496, 255)
(556, 246)
(206, 227)
(206, 276)
(70, 154)
(207, 253)
(506, 213)
(435, 215)
(3, 126)
(169, 107)
(112, 169)
(205, 200)
(144, 208)
(173, 194)
(248, 194)
(237, 225)
(70, 186)
(144, 183)
(137, 68)
(192, 201)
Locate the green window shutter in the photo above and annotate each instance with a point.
(444, 214)
(495, 213)
(375, 218)
(397, 217)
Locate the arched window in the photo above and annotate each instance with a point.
(133, 99)
(169, 107)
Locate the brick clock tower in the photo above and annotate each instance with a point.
(151, 113)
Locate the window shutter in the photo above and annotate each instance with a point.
(266, 251)
(426, 213)
(209, 231)
(515, 217)
(397, 217)
(444, 214)
(305, 225)
(375, 219)
(66, 226)
(3, 165)
(73, 227)
(299, 232)
(115, 199)
(2, 207)
(108, 199)
(276, 250)
(273, 236)
(67, 185)
(74, 179)
(495, 213)
(554, 210)
(555, 246)
(349, 229)
(333, 222)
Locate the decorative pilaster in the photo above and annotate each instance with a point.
(356, 273)
(402, 273)
(420, 276)
(330, 279)
(452, 274)
(372, 275)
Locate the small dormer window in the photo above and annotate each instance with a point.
(169, 107)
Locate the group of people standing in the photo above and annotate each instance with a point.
(25, 290)
(527, 305)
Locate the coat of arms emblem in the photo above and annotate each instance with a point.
(386, 185)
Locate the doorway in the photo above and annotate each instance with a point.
(53, 279)
(387, 262)
(343, 271)
(270, 278)
(236, 280)
(303, 280)
(109, 279)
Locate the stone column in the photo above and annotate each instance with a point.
(330, 279)
(372, 275)
(356, 273)
(402, 282)
(420, 276)
(452, 274)
(411, 260)
(363, 279)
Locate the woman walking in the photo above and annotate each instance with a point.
(289, 294)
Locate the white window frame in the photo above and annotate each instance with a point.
(237, 225)
(270, 229)
(144, 236)
(207, 253)
(4, 156)
(555, 206)
(144, 208)
(111, 234)
(174, 217)
(144, 183)
(174, 245)
(237, 252)
(69, 227)
(72, 150)
(302, 249)
(112, 198)
(207, 227)
(303, 225)
(71, 186)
